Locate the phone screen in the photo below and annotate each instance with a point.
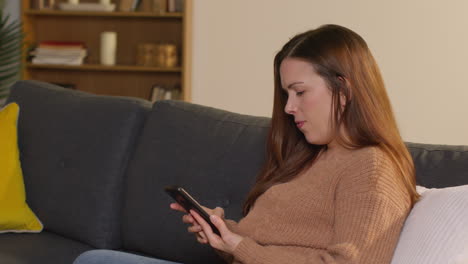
(182, 197)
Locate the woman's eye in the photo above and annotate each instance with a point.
(300, 93)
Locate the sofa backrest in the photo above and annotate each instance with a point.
(74, 150)
(214, 154)
(439, 166)
(80, 166)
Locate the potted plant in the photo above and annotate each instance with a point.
(11, 37)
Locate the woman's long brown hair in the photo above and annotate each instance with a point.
(343, 59)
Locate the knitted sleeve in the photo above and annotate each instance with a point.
(369, 213)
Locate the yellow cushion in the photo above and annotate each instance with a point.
(15, 214)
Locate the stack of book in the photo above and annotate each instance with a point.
(59, 52)
(129, 5)
(164, 93)
(159, 6)
(87, 7)
(175, 5)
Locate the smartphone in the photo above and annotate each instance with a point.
(182, 197)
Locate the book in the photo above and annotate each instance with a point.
(87, 7)
(179, 6)
(159, 92)
(167, 95)
(59, 52)
(176, 95)
(56, 60)
(125, 5)
(175, 6)
(62, 44)
(135, 5)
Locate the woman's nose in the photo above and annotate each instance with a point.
(290, 107)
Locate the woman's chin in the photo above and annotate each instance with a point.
(316, 140)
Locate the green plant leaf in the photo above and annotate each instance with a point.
(11, 45)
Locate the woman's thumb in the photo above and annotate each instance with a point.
(219, 212)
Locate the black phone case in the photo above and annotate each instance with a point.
(181, 196)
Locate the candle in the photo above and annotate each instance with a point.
(105, 2)
(108, 47)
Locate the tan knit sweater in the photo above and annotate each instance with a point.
(347, 208)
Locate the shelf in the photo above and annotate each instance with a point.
(98, 67)
(101, 14)
(133, 28)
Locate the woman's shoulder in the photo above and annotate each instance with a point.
(369, 167)
(366, 157)
(372, 171)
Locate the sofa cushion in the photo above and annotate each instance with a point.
(15, 214)
(214, 154)
(435, 230)
(44, 247)
(74, 151)
(439, 166)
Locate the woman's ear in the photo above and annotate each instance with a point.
(345, 93)
(342, 100)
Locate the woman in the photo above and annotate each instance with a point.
(339, 182)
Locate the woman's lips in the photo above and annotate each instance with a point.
(299, 124)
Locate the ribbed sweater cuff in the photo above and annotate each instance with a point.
(246, 249)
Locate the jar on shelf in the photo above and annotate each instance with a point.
(166, 55)
(146, 54)
(158, 55)
(170, 55)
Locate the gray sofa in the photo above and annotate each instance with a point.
(95, 167)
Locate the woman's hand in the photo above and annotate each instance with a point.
(228, 240)
(195, 227)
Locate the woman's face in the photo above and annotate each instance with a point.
(309, 100)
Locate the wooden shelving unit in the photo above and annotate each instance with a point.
(103, 14)
(126, 77)
(99, 67)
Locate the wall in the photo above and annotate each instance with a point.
(420, 45)
(12, 7)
